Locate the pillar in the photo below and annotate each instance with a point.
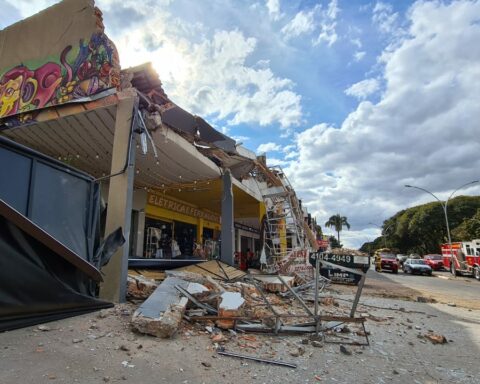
(120, 196)
(228, 230)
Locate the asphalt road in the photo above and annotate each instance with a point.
(442, 286)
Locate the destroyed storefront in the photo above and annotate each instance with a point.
(69, 99)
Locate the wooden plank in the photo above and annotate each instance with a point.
(149, 274)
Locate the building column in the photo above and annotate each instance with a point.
(228, 230)
(120, 196)
(200, 231)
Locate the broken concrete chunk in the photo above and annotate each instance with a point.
(344, 350)
(435, 338)
(230, 306)
(231, 301)
(196, 278)
(139, 287)
(273, 284)
(161, 314)
(194, 288)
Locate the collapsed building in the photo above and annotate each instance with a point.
(88, 147)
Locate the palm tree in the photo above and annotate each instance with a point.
(337, 222)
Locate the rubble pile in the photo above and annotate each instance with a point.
(193, 303)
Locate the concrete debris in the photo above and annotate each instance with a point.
(44, 328)
(230, 306)
(435, 338)
(161, 314)
(193, 277)
(273, 283)
(139, 287)
(344, 350)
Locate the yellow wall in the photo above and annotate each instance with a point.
(165, 214)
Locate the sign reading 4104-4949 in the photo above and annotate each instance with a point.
(351, 261)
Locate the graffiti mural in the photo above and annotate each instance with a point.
(80, 71)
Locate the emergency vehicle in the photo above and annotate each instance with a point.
(466, 258)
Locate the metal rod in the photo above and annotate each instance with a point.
(207, 307)
(296, 296)
(268, 361)
(317, 319)
(357, 296)
(265, 299)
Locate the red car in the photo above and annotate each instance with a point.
(434, 261)
(388, 262)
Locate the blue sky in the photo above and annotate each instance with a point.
(353, 99)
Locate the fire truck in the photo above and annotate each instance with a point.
(466, 258)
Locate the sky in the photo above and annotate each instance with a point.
(353, 99)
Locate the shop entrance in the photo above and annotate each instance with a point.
(158, 239)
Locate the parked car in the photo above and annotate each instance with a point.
(414, 256)
(434, 261)
(388, 262)
(419, 266)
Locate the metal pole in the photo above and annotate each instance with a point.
(317, 318)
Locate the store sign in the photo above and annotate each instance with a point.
(323, 243)
(246, 228)
(175, 206)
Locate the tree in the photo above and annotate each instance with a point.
(338, 222)
(469, 229)
(334, 242)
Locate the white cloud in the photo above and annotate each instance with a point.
(423, 131)
(300, 24)
(273, 7)
(328, 33)
(268, 147)
(273, 161)
(356, 42)
(359, 55)
(318, 21)
(363, 89)
(28, 8)
(385, 18)
(206, 70)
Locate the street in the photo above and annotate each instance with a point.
(442, 286)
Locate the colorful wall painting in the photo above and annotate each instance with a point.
(77, 72)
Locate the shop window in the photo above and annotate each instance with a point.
(185, 238)
(158, 239)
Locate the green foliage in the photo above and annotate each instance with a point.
(337, 222)
(469, 229)
(334, 242)
(318, 230)
(422, 229)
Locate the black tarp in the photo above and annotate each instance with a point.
(39, 279)
(50, 248)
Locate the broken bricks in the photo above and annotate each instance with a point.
(230, 306)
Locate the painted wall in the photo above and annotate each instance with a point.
(84, 61)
